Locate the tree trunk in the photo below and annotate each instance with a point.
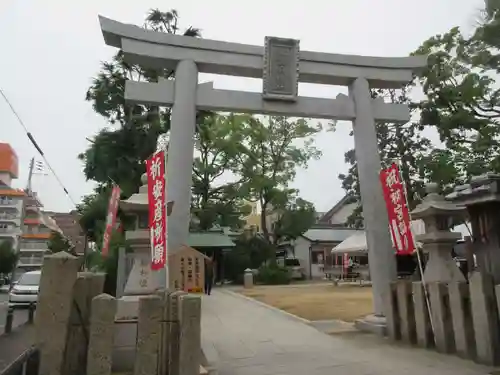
(263, 221)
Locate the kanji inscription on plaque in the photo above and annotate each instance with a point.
(281, 69)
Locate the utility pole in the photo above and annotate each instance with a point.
(30, 175)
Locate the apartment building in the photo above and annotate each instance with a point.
(69, 223)
(11, 200)
(35, 236)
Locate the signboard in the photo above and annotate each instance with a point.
(281, 69)
(111, 219)
(157, 197)
(397, 210)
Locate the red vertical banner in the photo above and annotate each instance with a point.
(111, 219)
(345, 263)
(157, 196)
(397, 210)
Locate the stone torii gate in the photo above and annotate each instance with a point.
(281, 65)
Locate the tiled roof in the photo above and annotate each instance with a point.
(328, 234)
(207, 239)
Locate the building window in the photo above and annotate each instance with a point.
(317, 257)
(5, 200)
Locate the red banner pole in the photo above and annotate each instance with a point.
(419, 258)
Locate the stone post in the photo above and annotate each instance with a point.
(165, 328)
(55, 301)
(248, 279)
(87, 286)
(485, 318)
(392, 312)
(190, 335)
(173, 364)
(381, 257)
(425, 336)
(180, 157)
(406, 312)
(441, 317)
(148, 335)
(102, 324)
(461, 314)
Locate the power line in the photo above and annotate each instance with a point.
(38, 148)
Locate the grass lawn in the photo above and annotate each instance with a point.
(317, 302)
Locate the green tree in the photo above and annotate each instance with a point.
(270, 151)
(117, 154)
(216, 145)
(58, 243)
(462, 100)
(403, 143)
(8, 258)
(294, 220)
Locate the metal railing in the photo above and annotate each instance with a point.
(7, 202)
(6, 216)
(41, 246)
(26, 364)
(31, 260)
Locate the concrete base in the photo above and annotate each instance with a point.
(372, 324)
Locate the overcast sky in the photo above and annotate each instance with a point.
(52, 48)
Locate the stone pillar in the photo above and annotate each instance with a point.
(485, 318)
(393, 325)
(180, 157)
(87, 286)
(173, 365)
(248, 279)
(148, 335)
(101, 335)
(425, 337)
(165, 328)
(190, 335)
(441, 317)
(406, 312)
(55, 301)
(461, 314)
(381, 257)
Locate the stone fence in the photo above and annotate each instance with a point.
(456, 317)
(168, 335)
(77, 332)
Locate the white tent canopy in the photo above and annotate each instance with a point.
(357, 242)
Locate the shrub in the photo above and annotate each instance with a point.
(248, 253)
(273, 275)
(235, 263)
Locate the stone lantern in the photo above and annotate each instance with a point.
(481, 197)
(141, 280)
(438, 240)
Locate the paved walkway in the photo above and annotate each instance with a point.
(14, 344)
(251, 339)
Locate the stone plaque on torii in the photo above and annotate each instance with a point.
(281, 66)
